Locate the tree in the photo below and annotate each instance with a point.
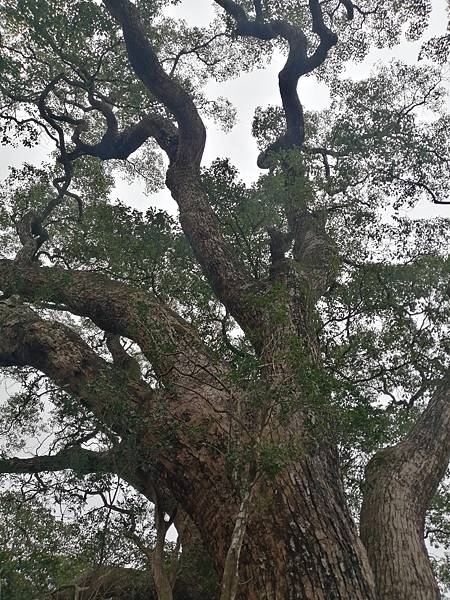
(107, 543)
(247, 360)
(37, 551)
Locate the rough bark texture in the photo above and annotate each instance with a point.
(299, 541)
(400, 482)
(299, 516)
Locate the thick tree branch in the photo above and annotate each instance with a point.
(233, 9)
(78, 459)
(227, 275)
(121, 358)
(172, 346)
(121, 460)
(349, 7)
(147, 67)
(31, 235)
(120, 144)
(129, 407)
(425, 449)
(327, 38)
(57, 351)
(258, 10)
(315, 252)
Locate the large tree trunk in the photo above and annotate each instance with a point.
(300, 541)
(400, 482)
(304, 546)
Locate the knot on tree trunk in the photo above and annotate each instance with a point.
(32, 235)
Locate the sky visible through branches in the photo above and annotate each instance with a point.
(248, 91)
(245, 93)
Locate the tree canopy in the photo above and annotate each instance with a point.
(269, 367)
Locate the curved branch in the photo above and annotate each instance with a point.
(120, 460)
(145, 63)
(112, 127)
(349, 7)
(30, 229)
(227, 275)
(170, 344)
(58, 352)
(119, 145)
(298, 63)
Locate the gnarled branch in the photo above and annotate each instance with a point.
(227, 275)
(57, 351)
(78, 459)
(171, 345)
(117, 144)
(298, 63)
(147, 67)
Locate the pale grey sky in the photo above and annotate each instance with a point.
(250, 90)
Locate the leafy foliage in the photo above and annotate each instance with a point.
(380, 149)
(38, 551)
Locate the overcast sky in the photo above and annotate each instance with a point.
(250, 90)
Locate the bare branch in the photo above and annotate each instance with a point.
(75, 458)
(298, 63)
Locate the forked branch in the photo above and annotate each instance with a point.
(173, 96)
(58, 352)
(227, 275)
(299, 62)
(171, 345)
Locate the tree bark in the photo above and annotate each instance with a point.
(303, 545)
(400, 482)
(300, 542)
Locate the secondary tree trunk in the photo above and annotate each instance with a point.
(400, 482)
(392, 526)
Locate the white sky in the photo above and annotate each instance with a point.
(250, 90)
